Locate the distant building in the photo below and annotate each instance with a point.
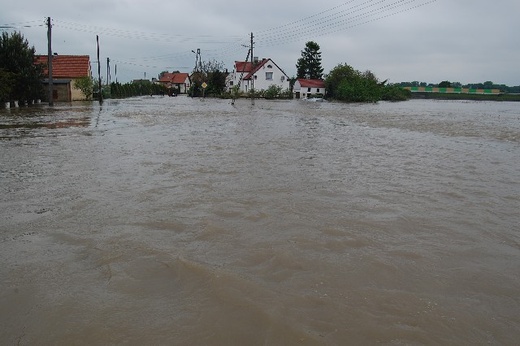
(438, 90)
(66, 69)
(305, 88)
(178, 81)
(262, 74)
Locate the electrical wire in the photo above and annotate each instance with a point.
(342, 20)
(330, 21)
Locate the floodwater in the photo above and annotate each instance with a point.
(179, 221)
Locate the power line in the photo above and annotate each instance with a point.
(23, 25)
(343, 20)
(338, 18)
(134, 34)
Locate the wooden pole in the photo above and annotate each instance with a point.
(252, 77)
(49, 61)
(100, 94)
(108, 71)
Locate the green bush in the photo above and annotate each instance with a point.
(273, 92)
(394, 93)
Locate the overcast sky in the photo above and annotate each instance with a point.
(463, 41)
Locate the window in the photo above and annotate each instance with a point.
(268, 76)
(269, 66)
(317, 90)
(309, 89)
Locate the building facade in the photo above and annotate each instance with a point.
(66, 69)
(307, 88)
(259, 75)
(179, 82)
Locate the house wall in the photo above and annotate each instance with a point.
(184, 87)
(235, 78)
(303, 92)
(76, 94)
(278, 77)
(61, 92)
(261, 82)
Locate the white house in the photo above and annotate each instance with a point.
(260, 75)
(304, 88)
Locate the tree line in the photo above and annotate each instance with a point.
(21, 79)
(447, 84)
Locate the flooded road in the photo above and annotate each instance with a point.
(178, 221)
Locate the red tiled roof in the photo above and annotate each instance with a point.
(66, 66)
(180, 78)
(256, 68)
(166, 78)
(311, 83)
(243, 66)
(250, 70)
(174, 78)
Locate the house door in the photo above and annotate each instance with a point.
(297, 94)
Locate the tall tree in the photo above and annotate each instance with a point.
(18, 59)
(309, 65)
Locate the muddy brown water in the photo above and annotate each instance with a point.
(179, 221)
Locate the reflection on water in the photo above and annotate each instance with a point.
(28, 121)
(187, 221)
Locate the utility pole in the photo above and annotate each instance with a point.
(252, 77)
(108, 71)
(49, 60)
(198, 61)
(100, 94)
(197, 73)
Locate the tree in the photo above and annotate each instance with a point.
(488, 84)
(6, 82)
(309, 65)
(86, 85)
(336, 76)
(347, 84)
(17, 62)
(395, 93)
(445, 84)
(210, 73)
